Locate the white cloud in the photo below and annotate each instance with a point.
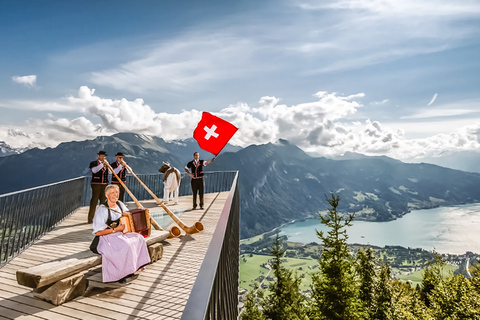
(324, 125)
(467, 108)
(28, 81)
(376, 103)
(433, 99)
(360, 33)
(433, 113)
(186, 64)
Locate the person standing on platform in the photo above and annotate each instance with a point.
(98, 184)
(197, 183)
(120, 168)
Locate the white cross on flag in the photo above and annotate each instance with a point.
(213, 133)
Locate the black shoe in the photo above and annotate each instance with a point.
(201, 208)
(128, 278)
(194, 208)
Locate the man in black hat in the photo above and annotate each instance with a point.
(120, 168)
(99, 183)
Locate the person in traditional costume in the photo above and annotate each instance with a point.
(98, 183)
(120, 169)
(122, 253)
(197, 183)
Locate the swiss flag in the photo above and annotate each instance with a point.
(213, 133)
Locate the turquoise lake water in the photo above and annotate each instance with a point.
(447, 230)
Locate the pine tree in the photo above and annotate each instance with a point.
(252, 312)
(475, 271)
(367, 277)
(285, 301)
(335, 291)
(383, 294)
(455, 298)
(406, 302)
(432, 277)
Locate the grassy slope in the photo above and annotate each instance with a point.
(251, 269)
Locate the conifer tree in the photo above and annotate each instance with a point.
(252, 312)
(455, 298)
(335, 291)
(432, 277)
(406, 302)
(285, 301)
(383, 294)
(475, 271)
(367, 277)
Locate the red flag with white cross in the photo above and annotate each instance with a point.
(213, 133)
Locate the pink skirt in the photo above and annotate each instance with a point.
(122, 254)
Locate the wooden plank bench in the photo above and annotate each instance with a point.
(63, 280)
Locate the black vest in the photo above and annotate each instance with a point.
(113, 223)
(122, 174)
(101, 177)
(197, 170)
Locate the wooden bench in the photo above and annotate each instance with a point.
(63, 280)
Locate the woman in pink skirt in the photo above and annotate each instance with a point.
(122, 253)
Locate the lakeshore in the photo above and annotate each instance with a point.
(450, 230)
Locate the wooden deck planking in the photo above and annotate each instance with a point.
(159, 292)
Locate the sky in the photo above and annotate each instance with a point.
(391, 77)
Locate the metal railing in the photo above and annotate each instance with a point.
(214, 294)
(28, 214)
(215, 181)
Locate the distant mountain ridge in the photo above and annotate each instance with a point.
(6, 150)
(278, 182)
(145, 154)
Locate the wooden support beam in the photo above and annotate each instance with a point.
(156, 252)
(63, 290)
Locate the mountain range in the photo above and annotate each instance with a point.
(68, 160)
(278, 182)
(6, 150)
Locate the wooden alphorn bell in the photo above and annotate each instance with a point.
(174, 231)
(197, 227)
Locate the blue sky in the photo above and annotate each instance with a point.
(399, 78)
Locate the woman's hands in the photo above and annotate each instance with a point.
(120, 227)
(109, 230)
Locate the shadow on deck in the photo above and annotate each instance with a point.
(159, 292)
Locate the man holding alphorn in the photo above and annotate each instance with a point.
(98, 184)
(120, 168)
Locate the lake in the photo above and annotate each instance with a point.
(452, 230)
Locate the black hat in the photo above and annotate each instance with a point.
(119, 154)
(102, 152)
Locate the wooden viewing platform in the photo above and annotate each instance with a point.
(159, 292)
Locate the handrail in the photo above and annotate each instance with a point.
(214, 294)
(40, 187)
(27, 214)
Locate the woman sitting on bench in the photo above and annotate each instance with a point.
(122, 253)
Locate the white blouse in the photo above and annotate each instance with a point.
(101, 216)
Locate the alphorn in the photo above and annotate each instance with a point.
(174, 231)
(197, 227)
